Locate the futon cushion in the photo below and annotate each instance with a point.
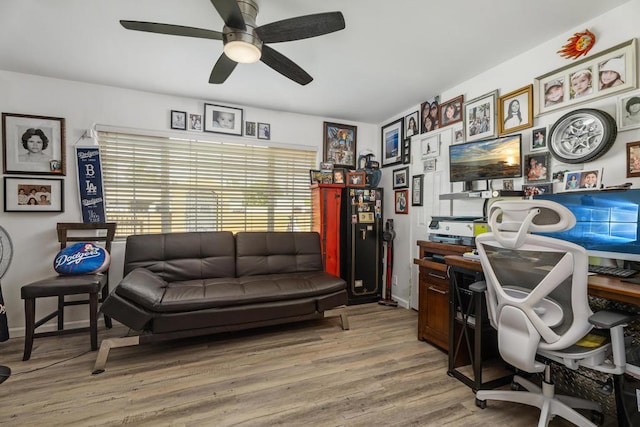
(81, 258)
(151, 292)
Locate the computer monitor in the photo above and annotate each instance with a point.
(496, 158)
(607, 222)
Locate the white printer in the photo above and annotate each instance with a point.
(457, 230)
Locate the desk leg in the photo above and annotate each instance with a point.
(477, 345)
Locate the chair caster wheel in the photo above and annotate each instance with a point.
(481, 403)
(597, 417)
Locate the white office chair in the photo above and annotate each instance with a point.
(536, 289)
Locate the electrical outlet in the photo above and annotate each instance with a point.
(395, 280)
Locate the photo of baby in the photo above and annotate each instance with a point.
(221, 119)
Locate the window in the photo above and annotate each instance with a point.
(155, 184)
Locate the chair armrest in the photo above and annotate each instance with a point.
(608, 319)
(479, 286)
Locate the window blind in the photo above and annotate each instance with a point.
(155, 184)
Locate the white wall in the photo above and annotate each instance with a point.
(83, 105)
(612, 28)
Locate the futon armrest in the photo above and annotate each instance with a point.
(608, 319)
(142, 287)
(479, 287)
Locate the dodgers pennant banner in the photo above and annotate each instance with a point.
(90, 184)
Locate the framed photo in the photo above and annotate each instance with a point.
(628, 106)
(391, 137)
(221, 119)
(33, 194)
(401, 197)
(250, 128)
(480, 117)
(264, 131)
(429, 115)
(33, 144)
(538, 139)
(339, 176)
(602, 74)
(411, 126)
(401, 177)
(356, 179)
(340, 144)
(536, 190)
(429, 165)
(416, 190)
(507, 184)
(458, 134)
(430, 146)
(315, 176)
(582, 180)
(450, 112)
(633, 159)
(515, 110)
(195, 122)
(178, 120)
(406, 151)
(537, 167)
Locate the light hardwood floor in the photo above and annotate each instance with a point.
(311, 373)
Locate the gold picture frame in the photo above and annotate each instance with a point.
(511, 119)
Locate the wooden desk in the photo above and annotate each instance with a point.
(608, 287)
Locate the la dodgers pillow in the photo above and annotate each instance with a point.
(81, 258)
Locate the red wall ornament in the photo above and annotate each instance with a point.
(579, 45)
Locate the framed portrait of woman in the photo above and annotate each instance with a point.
(33, 144)
(451, 111)
(515, 110)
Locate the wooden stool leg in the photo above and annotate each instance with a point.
(93, 320)
(30, 323)
(107, 319)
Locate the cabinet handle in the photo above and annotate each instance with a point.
(440, 291)
(437, 276)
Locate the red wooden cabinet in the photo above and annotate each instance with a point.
(326, 201)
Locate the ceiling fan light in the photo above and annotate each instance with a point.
(241, 51)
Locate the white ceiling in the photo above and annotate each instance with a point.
(392, 55)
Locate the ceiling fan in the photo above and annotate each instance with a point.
(245, 42)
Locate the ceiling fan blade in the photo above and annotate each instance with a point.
(230, 13)
(222, 69)
(302, 27)
(174, 30)
(284, 66)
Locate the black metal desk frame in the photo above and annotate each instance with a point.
(469, 314)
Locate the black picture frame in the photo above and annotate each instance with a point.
(19, 128)
(178, 120)
(18, 192)
(391, 137)
(417, 182)
(339, 143)
(401, 178)
(231, 123)
(406, 151)
(264, 131)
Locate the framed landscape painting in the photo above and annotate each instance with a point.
(391, 138)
